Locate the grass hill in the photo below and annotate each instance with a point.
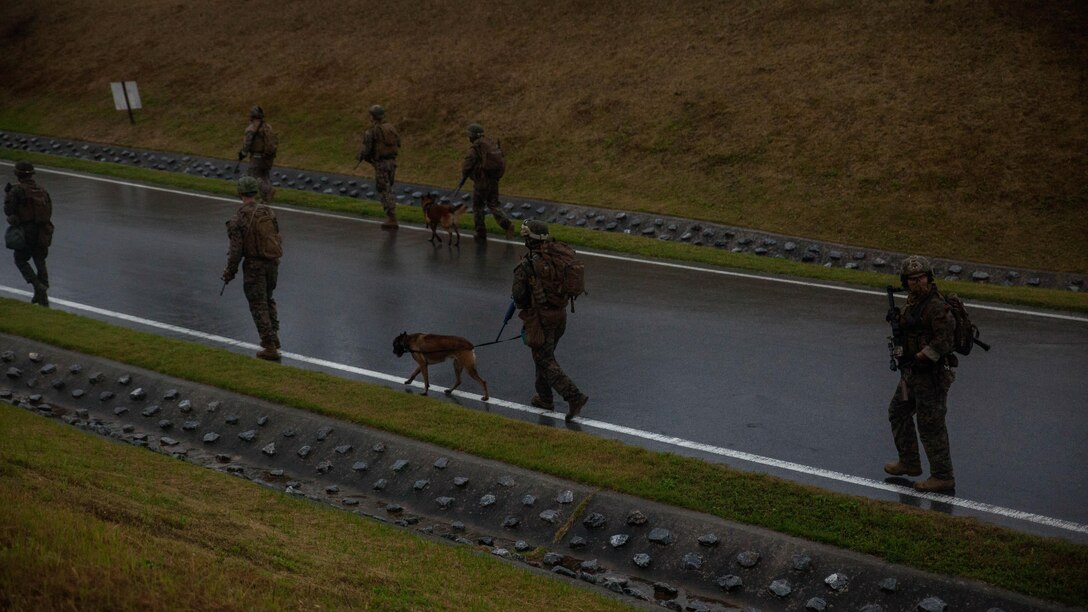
(952, 128)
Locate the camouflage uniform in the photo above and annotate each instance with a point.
(553, 321)
(253, 145)
(259, 275)
(929, 328)
(28, 205)
(383, 156)
(485, 188)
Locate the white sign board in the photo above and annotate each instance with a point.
(120, 90)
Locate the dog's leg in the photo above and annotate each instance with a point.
(456, 376)
(413, 376)
(483, 383)
(426, 378)
(434, 233)
(457, 229)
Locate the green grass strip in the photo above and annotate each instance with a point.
(91, 524)
(618, 243)
(930, 541)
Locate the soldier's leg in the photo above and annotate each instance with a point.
(479, 208)
(495, 208)
(255, 287)
(384, 175)
(271, 278)
(22, 262)
(932, 429)
(901, 415)
(261, 169)
(548, 366)
(40, 254)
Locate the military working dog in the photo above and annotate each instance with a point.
(431, 348)
(445, 214)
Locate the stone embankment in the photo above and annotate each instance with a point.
(710, 235)
(652, 553)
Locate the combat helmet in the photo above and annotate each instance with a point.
(247, 186)
(256, 112)
(915, 264)
(24, 168)
(534, 229)
(475, 130)
(377, 111)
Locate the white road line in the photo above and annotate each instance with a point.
(623, 258)
(599, 425)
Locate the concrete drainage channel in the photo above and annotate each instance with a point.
(647, 551)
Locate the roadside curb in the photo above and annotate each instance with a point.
(659, 227)
(644, 550)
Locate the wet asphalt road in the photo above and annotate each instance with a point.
(788, 371)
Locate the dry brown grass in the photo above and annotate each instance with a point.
(964, 122)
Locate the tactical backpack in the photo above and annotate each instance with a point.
(262, 238)
(966, 335)
(560, 273)
(271, 141)
(386, 141)
(491, 160)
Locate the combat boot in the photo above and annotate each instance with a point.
(901, 469)
(390, 222)
(540, 403)
(935, 485)
(268, 352)
(576, 407)
(41, 296)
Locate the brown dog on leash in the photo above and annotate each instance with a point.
(445, 214)
(430, 348)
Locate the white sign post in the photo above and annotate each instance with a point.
(126, 97)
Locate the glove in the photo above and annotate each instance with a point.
(241, 156)
(893, 314)
(228, 276)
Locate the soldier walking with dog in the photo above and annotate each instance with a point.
(260, 144)
(381, 144)
(542, 308)
(927, 367)
(29, 210)
(255, 242)
(485, 165)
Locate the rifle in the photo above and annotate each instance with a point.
(223, 288)
(895, 341)
(506, 319)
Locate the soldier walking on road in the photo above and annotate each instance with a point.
(927, 371)
(29, 208)
(255, 242)
(543, 312)
(260, 144)
(484, 164)
(381, 144)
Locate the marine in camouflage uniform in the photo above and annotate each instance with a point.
(535, 311)
(381, 144)
(485, 188)
(927, 372)
(28, 205)
(259, 274)
(254, 146)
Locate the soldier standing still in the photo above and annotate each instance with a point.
(485, 182)
(381, 144)
(927, 371)
(255, 242)
(544, 325)
(260, 144)
(29, 206)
